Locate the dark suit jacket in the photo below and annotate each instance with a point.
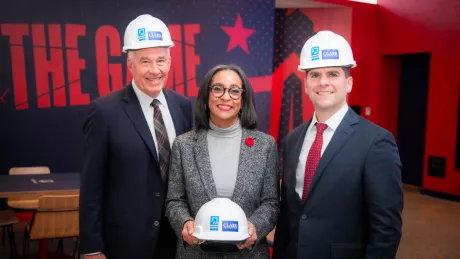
(354, 205)
(122, 194)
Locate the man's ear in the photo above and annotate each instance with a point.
(129, 63)
(349, 84)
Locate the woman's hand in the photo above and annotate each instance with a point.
(252, 237)
(187, 231)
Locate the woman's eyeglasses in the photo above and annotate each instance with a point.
(234, 92)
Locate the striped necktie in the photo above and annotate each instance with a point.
(161, 135)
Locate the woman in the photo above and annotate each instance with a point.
(224, 157)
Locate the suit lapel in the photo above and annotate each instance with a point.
(341, 135)
(204, 164)
(134, 111)
(174, 110)
(243, 160)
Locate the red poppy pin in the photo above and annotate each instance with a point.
(249, 142)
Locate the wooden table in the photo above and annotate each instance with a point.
(28, 188)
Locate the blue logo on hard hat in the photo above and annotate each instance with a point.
(155, 35)
(230, 226)
(314, 53)
(330, 54)
(141, 34)
(214, 223)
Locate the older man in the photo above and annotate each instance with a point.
(127, 140)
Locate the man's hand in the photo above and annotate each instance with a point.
(95, 256)
(252, 237)
(187, 231)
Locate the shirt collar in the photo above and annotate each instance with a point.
(145, 100)
(334, 121)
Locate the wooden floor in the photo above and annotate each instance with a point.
(431, 229)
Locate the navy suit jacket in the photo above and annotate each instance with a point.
(122, 193)
(354, 205)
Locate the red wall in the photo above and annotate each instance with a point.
(413, 26)
(402, 27)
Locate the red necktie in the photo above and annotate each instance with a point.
(313, 158)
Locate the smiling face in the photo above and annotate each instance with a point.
(224, 109)
(328, 88)
(150, 68)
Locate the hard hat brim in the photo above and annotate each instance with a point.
(219, 236)
(307, 68)
(125, 49)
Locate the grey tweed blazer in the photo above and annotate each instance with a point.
(191, 185)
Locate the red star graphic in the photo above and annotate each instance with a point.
(238, 35)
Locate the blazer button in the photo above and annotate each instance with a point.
(304, 217)
(157, 194)
(156, 223)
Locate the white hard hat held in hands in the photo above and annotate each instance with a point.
(221, 220)
(326, 49)
(146, 31)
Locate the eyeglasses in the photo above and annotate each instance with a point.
(234, 92)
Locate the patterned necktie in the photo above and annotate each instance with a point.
(313, 158)
(161, 135)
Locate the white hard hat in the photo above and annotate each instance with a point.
(221, 220)
(146, 31)
(326, 49)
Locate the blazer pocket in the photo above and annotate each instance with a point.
(347, 251)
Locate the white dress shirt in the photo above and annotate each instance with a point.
(148, 111)
(332, 124)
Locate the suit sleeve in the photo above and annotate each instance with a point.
(176, 200)
(282, 234)
(266, 215)
(384, 197)
(92, 179)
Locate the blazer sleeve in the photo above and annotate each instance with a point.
(176, 200)
(92, 179)
(265, 216)
(384, 197)
(282, 235)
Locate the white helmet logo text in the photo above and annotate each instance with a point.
(155, 35)
(330, 54)
(230, 226)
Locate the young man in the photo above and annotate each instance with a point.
(341, 192)
(127, 140)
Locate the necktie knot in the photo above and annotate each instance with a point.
(155, 103)
(321, 127)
